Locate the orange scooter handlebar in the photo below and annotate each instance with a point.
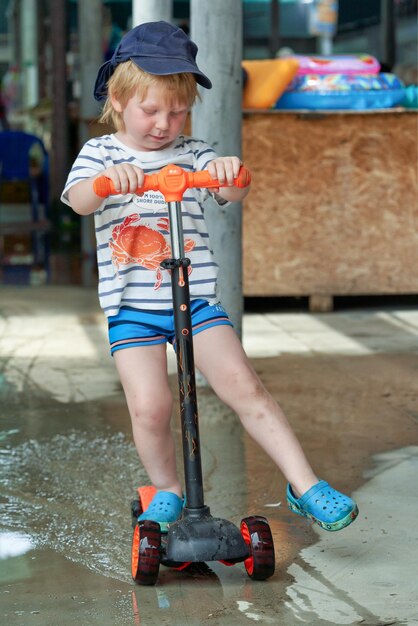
(172, 181)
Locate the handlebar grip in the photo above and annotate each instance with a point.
(204, 179)
(244, 178)
(103, 187)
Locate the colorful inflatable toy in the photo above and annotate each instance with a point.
(342, 91)
(266, 80)
(346, 64)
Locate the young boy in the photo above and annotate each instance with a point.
(149, 86)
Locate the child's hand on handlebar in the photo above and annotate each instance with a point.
(225, 169)
(125, 177)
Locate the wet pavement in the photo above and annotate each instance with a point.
(349, 385)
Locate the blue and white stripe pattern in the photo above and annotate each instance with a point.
(130, 283)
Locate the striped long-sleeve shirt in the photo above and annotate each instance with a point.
(132, 231)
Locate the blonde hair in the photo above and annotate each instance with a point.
(128, 79)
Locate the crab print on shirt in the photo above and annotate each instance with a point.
(139, 244)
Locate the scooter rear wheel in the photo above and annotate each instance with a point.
(136, 510)
(256, 533)
(146, 543)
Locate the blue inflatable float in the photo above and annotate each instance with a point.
(342, 91)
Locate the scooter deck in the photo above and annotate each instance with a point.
(146, 494)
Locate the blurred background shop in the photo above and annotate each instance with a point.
(41, 76)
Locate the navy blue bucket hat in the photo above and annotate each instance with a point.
(157, 48)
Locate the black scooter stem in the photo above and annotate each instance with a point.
(185, 361)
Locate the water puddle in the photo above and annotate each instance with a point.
(71, 494)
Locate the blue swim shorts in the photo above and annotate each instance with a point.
(134, 327)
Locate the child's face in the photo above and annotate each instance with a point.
(152, 123)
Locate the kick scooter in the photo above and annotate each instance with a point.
(197, 536)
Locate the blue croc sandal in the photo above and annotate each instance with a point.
(164, 508)
(324, 505)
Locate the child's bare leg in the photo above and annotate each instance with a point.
(143, 374)
(222, 360)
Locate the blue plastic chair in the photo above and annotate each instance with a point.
(16, 150)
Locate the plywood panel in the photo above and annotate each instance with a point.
(334, 203)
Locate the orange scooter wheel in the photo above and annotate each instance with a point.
(146, 544)
(260, 563)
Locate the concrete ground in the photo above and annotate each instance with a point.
(348, 382)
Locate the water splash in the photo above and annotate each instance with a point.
(71, 494)
(13, 544)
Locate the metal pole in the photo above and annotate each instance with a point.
(216, 27)
(29, 36)
(275, 27)
(59, 135)
(388, 20)
(90, 29)
(325, 45)
(151, 11)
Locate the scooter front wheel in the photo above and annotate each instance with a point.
(260, 563)
(146, 544)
